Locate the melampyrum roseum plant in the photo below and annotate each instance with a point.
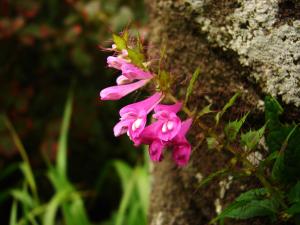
(278, 171)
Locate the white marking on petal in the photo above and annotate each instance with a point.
(164, 128)
(136, 124)
(170, 125)
(122, 80)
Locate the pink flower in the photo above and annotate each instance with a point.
(182, 148)
(134, 117)
(156, 150)
(115, 62)
(124, 86)
(134, 73)
(168, 123)
(119, 91)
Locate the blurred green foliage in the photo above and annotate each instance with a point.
(45, 47)
(66, 198)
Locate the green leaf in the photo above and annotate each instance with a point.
(252, 138)
(294, 193)
(23, 197)
(136, 57)
(191, 85)
(250, 209)
(212, 143)
(124, 171)
(292, 156)
(272, 111)
(25, 165)
(74, 211)
(204, 111)
(143, 187)
(13, 214)
(294, 209)
(52, 207)
(28, 174)
(164, 80)
(278, 168)
(120, 42)
(227, 106)
(211, 176)
(252, 203)
(61, 163)
(128, 192)
(257, 193)
(232, 128)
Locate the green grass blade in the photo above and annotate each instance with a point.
(25, 166)
(13, 214)
(125, 201)
(143, 187)
(23, 197)
(124, 172)
(61, 163)
(52, 207)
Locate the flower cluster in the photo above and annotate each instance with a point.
(166, 131)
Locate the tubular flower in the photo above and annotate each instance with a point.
(134, 73)
(115, 62)
(156, 150)
(166, 131)
(134, 117)
(168, 123)
(119, 91)
(125, 84)
(182, 148)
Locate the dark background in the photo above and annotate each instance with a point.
(45, 46)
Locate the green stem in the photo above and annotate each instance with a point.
(208, 132)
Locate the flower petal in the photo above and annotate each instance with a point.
(121, 127)
(118, 92)
(185, 126)
(169, 128)
(122, 80)
(115, 62)
(147, 105)
(134, 73)
(148, 135)
(137, 126)
(181, 153)
(169, 108)
(156, 150)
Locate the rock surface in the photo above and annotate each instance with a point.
(239, 46)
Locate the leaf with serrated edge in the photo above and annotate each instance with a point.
(204, 111)
(232, 128)
(227, 106)
(252, 138)
(119, 42)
